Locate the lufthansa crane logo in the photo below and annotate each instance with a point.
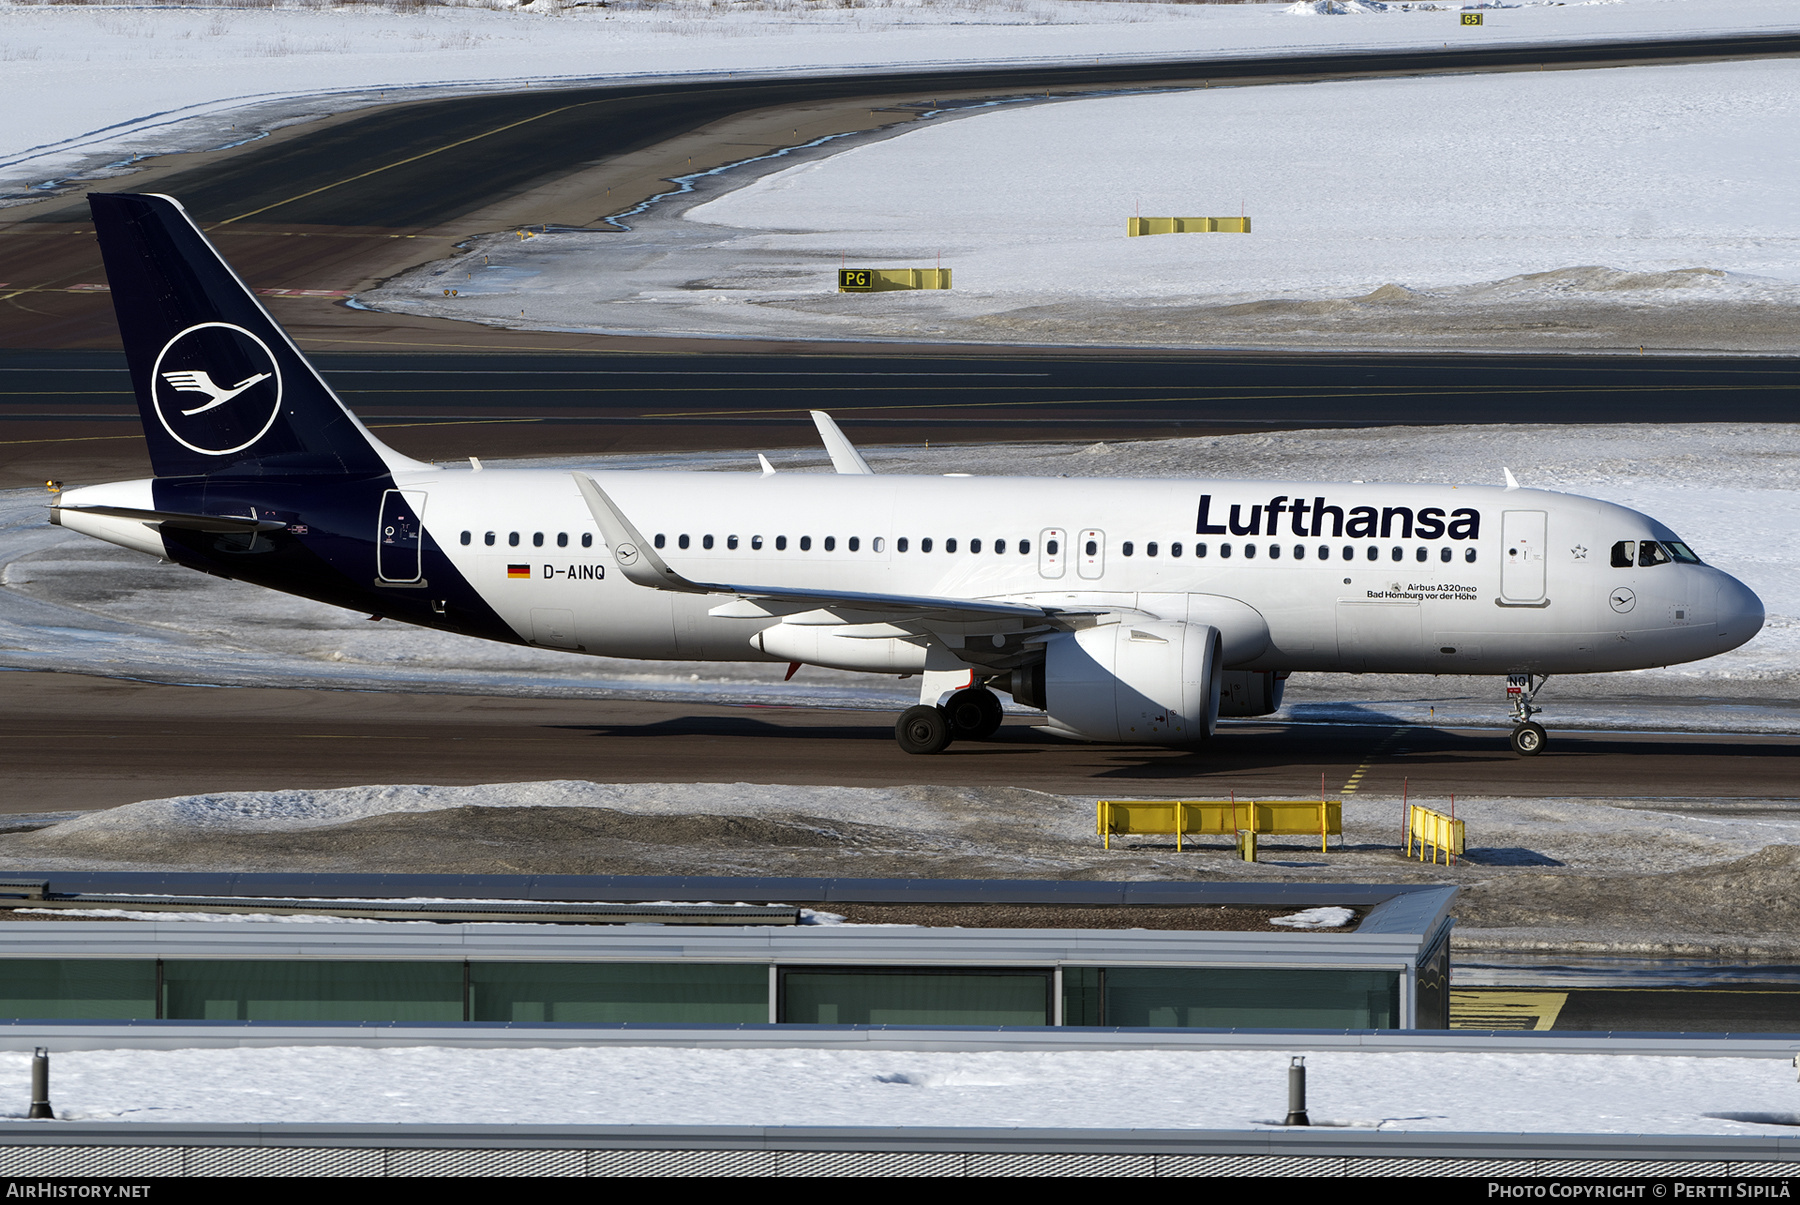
(216, 388)
(1622, 600)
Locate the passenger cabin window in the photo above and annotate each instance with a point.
(1125, 548)
(587, 539)
(1149, 549)
(1024, 547)
(999, 546)
(1469, 556)
(780, 543)
(1651, 553)
(467, 536)
(488, 539)
(537, 539)
(805, 543)
(731, 543)
(512, 539)
(1199, 549)
(706, 541)
(830, 543)
(1299, 552)
(1274, 552)
(1050, 548)
(854, 543)
(925, 544)
(659, 541)
(950, 545)
(1422, 553)
(681, 541)
(562, 539)
(1374, 553)
(1443, 554)
(975, 546)
(1225, 551)
(1249, 551)
(756, 543)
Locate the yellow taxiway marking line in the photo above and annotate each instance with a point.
(449, 146)
(1506, 1009)
(1350, 785)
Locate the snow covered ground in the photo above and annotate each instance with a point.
(87, 85)
(1165, 1089)
(74, 604)
(1653, 205)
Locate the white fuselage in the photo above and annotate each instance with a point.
(1529, 586)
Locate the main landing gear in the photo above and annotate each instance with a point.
(971, 714)
(1527, 735)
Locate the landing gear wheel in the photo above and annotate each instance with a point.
(923, 730)
(1528, 739)
(974, 714)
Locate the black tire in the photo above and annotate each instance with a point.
(923, 730)
(974, 714)
(1528, 740)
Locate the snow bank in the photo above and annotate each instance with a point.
(1519, 1093)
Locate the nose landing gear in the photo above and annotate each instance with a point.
(1528, 736)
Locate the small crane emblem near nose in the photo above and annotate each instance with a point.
(1622, 600)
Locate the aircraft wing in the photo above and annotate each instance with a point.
(641, 563)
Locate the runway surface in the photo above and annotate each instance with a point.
(76, 742)
(70, 415)
(336, 205)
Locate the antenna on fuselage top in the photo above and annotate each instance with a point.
(1512, 483)
(844, 456)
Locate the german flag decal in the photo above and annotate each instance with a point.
(518, 571)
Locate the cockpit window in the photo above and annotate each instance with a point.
(1624, 554)
(1681, 552)
(1651, 553)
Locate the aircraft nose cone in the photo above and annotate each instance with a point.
(1740, 612)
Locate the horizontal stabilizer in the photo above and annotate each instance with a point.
(169, 518)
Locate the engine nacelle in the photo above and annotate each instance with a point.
(1247, 692)
(1156, 683)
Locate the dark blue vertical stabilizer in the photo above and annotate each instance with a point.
(219, 385)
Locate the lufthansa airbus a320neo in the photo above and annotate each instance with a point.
(1125, 610)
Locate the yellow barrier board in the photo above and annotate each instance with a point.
(1433, 830)
(884, 280)
(1213, 817)
(1139, 226)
